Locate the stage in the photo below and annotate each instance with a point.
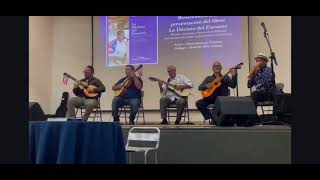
(206, 144)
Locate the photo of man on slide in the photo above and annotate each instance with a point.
(118, 43)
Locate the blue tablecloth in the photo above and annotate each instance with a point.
(76, 143)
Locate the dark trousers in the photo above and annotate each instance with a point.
(165, 102)
(277, 98)
(203, 104)
(119, 102)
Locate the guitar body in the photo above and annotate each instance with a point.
(124, 89)
(184, 93)
(214, 86)
(86, 87)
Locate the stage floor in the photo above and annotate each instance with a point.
(207, 144)
(213, 127)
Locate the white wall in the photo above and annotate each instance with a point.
(71, 52)
(40, 60)
(279, 28)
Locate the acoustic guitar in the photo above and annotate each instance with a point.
(84, 86)
(126, 84)
(217, 83)
(170, 87)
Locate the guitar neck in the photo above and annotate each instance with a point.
(230, 70)
(225, 75)
(69, 76)
(167, 83)
(74, 79)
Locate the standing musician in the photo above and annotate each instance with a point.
(180, 82)
(81, 99)
(132, 95)
(223, 90)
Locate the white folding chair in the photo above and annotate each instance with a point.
(143, 134)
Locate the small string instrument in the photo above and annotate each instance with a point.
(83, 86)
(217, 83)
(126, 84)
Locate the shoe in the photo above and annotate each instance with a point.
(164, 122)
(131, 123)
(212, 122)
(177, 123)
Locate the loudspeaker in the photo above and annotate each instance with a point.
(286, 111)
(36, 112)
(230, 111)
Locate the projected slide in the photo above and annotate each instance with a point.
(148, 39)
(132, 40)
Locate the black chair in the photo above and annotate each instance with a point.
(96, 111)
(173, 108)
(210, 107)
(126, 109)
(269, 103)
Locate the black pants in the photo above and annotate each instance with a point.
(203, 104)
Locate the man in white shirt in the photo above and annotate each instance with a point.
(119, 48)
(181, 82)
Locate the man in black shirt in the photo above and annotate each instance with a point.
(223, 90)
(81, 99)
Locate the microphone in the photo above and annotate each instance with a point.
(264, 28)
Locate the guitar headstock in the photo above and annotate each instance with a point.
(153, 79)
(67, 75)
(238, 66)
(139, 67)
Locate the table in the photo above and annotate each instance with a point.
(76, 143)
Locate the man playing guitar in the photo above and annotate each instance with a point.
(131, 96)
(81, 99)
(169, 97)
(223, 90)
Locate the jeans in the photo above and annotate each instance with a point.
(119, 102)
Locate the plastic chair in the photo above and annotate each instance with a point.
(143, 134)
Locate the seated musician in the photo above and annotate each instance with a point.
(181, 82)
(262, 81)
(81, 99)
(223, 90)
(131, 97)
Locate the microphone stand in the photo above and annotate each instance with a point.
(237, 83)
(273, 61)
(272, 54)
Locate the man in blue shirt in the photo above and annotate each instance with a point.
(131, 97)
(262, 80)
